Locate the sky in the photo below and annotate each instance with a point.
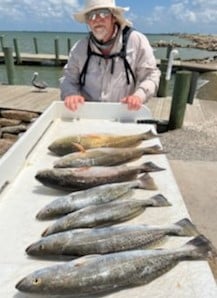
(154, 16)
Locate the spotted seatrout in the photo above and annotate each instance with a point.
(92, 196)
(105, 214)
(86, 177)
(107, 240)
(102, 273)
(74, 143)
(105, 156)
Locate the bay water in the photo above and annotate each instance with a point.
(46, 45)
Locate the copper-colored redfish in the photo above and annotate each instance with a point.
(105, 156)
(69, 144)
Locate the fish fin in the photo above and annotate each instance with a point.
(203, 246)
(94, 136)
(159, 201)
(147, 182)
(151, 167)
(84, 260)
(187, 228)
(78, 146)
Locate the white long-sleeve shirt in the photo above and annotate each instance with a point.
(100, 83)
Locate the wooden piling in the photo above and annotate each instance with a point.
(163, 86)
(57, 51)
(169, 49)
(69, 44)
(193, 86)
(35, 42)
(16, 48)
(2, 41)
(9, 63)
(179, 99)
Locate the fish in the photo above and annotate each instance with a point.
(73, 179)
(15, 129)
(25, 116)
(105, 156)
(69, 144)
(107, 240)
(98, 274)
(92, 196)
(105, 214)
(9, 122)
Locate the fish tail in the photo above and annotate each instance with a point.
(186, 228)
(156, 149)
(46, 232)
(203, 248)
(159, 201)
(151, 167)
(147, 182)
(149, 135)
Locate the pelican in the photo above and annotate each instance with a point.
(38, 84)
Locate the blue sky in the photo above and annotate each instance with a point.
(155, 16)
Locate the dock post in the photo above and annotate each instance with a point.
(179, 99)
(193, 86)
(9, 63)
(35, 44)
(57, 55)
(69, 43)
(163, 86)
(169, 49)
(2, 41)
(18, 58)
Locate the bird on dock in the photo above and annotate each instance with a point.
(40, 85)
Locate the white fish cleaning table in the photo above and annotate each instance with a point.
(22, 196)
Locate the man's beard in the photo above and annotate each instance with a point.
(100, 33)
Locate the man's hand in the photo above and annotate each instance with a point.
(134, 102)
(72, 101)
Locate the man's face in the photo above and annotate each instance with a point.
(101, 23)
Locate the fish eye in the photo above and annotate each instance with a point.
(41, 246)
(36, 281)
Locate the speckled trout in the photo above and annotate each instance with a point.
(105, 156)
(74, 143)
(85, 177)
(97, 274)
(92, 196)
(108, 239)
(105, 214)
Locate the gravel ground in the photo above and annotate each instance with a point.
(192, 142)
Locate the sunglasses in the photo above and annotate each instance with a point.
(102, 13)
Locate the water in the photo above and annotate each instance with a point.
(45, 42)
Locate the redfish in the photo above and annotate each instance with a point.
(74, 143)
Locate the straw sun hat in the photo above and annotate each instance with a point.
(117, 11)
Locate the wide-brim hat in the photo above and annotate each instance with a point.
(90, 5)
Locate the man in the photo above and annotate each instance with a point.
(107, 66)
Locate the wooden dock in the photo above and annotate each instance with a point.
(51, 59)
(27, 98)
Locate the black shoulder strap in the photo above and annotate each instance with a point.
(122, 54)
